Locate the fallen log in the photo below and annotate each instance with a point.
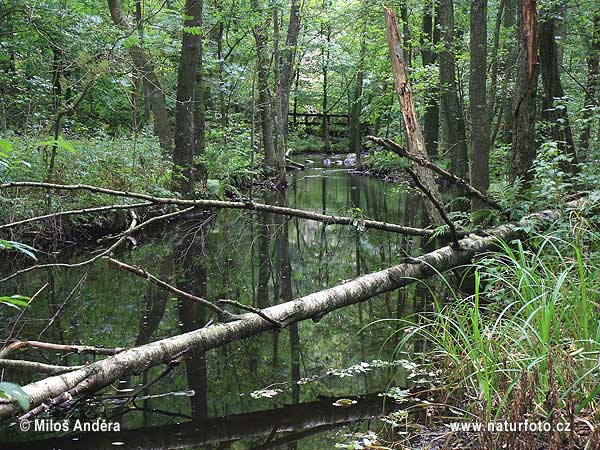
(221, 204)
(135, 360)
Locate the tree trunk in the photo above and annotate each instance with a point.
(452, 131)
(288, 62)
(429, 39)
(480, 128)
(279, 119)
(156, 96)
(200, 116)
(591, 91)
(416, 142)
(183, 155)
(264, 95)
(355, 129)
(556, 117)
(325, 34)
(524, 105)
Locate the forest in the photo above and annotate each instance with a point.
(301, 224)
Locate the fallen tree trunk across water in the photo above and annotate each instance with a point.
(100, 374)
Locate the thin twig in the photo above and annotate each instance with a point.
(162, 284)
(251, 309)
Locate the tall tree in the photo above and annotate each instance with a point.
(355, 129)
(183, 155)
(264, 94)
(524, 105)
(429, 39)
(144, 66)
(592, 84)
(453, 139)
(288, 62)
(480, 128)
(556, 118)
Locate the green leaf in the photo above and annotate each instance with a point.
(19, 247)
(15, 301)
(17, 393)
(60, 143)
(5, 147)
(196, 31)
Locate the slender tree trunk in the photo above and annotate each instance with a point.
(183, 155)
(355, 129)
(430, 38)
(592, 85)
(452, 132)
(156, 96)
(523, 142)
(264, 95)
(480, 129)
(279, 139)
(325, 34)
(556, 118)
(200, 115)
(506, 121)
(416, 141)
(288, 62)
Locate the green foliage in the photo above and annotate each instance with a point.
(385, 163)
(530, 314)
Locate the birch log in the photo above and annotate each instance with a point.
(135, 360)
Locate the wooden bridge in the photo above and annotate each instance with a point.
(316, 119)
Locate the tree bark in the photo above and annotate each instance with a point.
(264, 95)
(183, 155)
(592, 84)
(430, 38)
(355, 129)
(288, 62)
(142, 63)
(556, 117)
(480, 128)
(100, 374)
(453, 139)
(524, 105)
(416, 142)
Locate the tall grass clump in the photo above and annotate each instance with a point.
(525, 345)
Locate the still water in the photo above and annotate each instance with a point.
(275, 390)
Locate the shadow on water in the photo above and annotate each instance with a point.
(237, 392)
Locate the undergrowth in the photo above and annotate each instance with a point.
(525, 346)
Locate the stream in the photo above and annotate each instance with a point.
(275, 390)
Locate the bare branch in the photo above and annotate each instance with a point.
(224, 315)
(32, 366)
(248, 205)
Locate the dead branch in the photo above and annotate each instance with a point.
(32, 366)
(80, 349)
(220, 204)
(72, 213)
(222, 314)
(458, 181)
(251, 309)
(437, 204)
(133, 228)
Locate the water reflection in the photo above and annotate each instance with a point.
(259, 259)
